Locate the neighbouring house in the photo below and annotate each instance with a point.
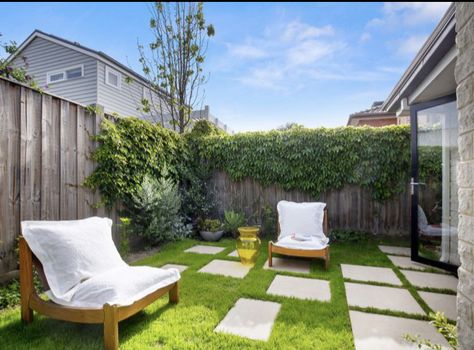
(89, 77)
(205, 114)
(374, 116)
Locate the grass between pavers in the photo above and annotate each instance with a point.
(204, 301)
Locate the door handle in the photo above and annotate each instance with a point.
(413, 184)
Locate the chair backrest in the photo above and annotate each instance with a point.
(325, 223)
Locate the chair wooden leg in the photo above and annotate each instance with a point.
(111, 335)
(326, 259)
(26, 281)
(270, 260)
(174, 294)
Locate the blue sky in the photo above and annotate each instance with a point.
(269, 63)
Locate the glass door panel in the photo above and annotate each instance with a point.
(434, 183)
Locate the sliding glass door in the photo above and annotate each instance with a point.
(434, 189)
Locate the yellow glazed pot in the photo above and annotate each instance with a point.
(248, 245)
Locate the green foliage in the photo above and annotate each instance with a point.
(203, 128)
(11, 72)
(155, 211)
(10, 293)
(348, 236)
(126, 229)
(129, 149)
(446, 329)
(211, 225)
(316, 160)
(232, 221)
(269, 220)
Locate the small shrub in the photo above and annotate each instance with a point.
(155, 211)
(269, 220)
(10, 293)
(211, 225)
(126, 230)
(446, 329)
(347, 236)
(233, 221)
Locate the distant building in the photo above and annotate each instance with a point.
(206, 115)
(374, 116)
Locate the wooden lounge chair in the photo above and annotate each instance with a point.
(109, 314)
(306, 252)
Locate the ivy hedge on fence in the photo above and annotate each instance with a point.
(316, 160)
(312, 160)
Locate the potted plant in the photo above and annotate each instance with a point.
(211, 230)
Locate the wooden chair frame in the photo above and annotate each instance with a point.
(109, 315)
(305, 253)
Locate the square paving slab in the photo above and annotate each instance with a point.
(380, 332)
(405, 263)
(226, 268)
(180, 268)
(234, 254)
(385, 298)
(441, 302)
(431, 280)
(300, 288)
(250, 319)
(204, 249)
(388, 249)
(370, 274)
(288, 265)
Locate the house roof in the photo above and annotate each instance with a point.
(374, 112)
(101, 56)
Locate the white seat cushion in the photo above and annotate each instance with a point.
(120, 286)
(72, 251)
(314, 244)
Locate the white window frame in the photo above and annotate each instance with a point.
(117, 73)
(63, 71)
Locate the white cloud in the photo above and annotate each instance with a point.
(309, 51)
(270, 77)
(365, 36)
(246, 51)
(396, 14)
(411, 45)
(297, 30)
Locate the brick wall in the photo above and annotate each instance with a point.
(464, 73)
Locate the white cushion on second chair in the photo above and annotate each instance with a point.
(72, 251)
(315, 243)
(301, 219)
(121, 286)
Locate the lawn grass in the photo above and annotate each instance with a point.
(204, 301)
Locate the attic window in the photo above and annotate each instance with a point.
(113, 78)
(65, 74)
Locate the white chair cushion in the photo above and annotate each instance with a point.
(314, 244)
(301, 219)
(120, 286)
(72, 251)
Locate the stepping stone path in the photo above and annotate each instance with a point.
(395, 250)
(204, 249)
(385, 298)
(377, 332)
(370, 274)
(249, 318)
(300, 288)
(441, 302)
(234, 254)
(431, 280)
(180, 268)
(226, 268)
(406, 263)
(289, 265)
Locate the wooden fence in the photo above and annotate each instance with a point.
(45, 147)
(349, 208)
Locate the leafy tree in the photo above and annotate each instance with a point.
(174, 62)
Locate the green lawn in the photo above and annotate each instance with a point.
(204, 301)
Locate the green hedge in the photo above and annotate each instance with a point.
(312, 160)
(316, 160)
(129, 149)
